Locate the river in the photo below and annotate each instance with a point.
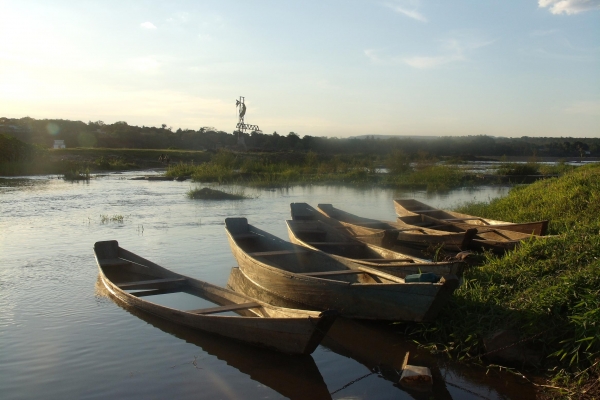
(62, 337)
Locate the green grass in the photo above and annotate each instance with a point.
(548, 288)
(267, 170)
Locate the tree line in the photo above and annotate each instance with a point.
(43, 132)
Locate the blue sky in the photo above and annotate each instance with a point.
(321, 68)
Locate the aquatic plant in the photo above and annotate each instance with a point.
(105, 218)
(206, 193)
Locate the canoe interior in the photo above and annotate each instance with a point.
(399, 231)
(408, 209)
(133, 279)
(144, 279)
(319, 235)
(137, 270)
(269, 250)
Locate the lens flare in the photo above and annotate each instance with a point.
(52, 128)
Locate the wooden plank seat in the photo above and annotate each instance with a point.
(156, 292)
(151, 283)
(355, 271)
(113, 262)
(275, 253)
(231, 307)
(423, 211)
(331, 273)
(465, 219)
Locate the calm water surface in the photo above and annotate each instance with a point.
(62, 337)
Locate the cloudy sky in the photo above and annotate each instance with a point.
(322, 68)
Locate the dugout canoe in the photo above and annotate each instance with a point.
(129, 278)
(320, 236)
(406, 233)
(410, 211)
(314, 280)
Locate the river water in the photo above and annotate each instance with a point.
(62, 337)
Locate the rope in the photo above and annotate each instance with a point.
(352, 382)
(347, 349)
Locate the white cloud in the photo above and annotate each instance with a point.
(453, 49)
(431, 62)
(569, 7)
(148, 25)
(585, 108)
(411, 13)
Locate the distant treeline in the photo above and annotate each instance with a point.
(122, 135)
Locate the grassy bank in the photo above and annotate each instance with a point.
(547, 290)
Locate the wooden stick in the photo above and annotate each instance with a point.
(405, 362)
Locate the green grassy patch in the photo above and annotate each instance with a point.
(548, 289)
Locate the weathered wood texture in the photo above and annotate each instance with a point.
(457, 239)
(351, 251)
(371, 295)
(414, 208)
(497, 236)
(283, 329)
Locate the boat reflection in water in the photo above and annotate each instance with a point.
(372, 344)
(294, 377)
(380, 349)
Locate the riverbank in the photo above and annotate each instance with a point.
(543, 296)
(39, 161)
(279, 169)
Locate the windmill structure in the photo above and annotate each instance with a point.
(242, 126)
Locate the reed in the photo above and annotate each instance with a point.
(105, 218)
(77, 175)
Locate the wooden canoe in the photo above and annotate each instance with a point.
(320, 236)
(389, 233)
(312, 279)
(287, 375)
(130, 277)
(408, 209)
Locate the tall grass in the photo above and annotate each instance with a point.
(273, 171)
(548, 289)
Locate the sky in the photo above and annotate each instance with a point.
(334, 68)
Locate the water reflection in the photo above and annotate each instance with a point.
(374, 345)
(294, 377)
(60, 341)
